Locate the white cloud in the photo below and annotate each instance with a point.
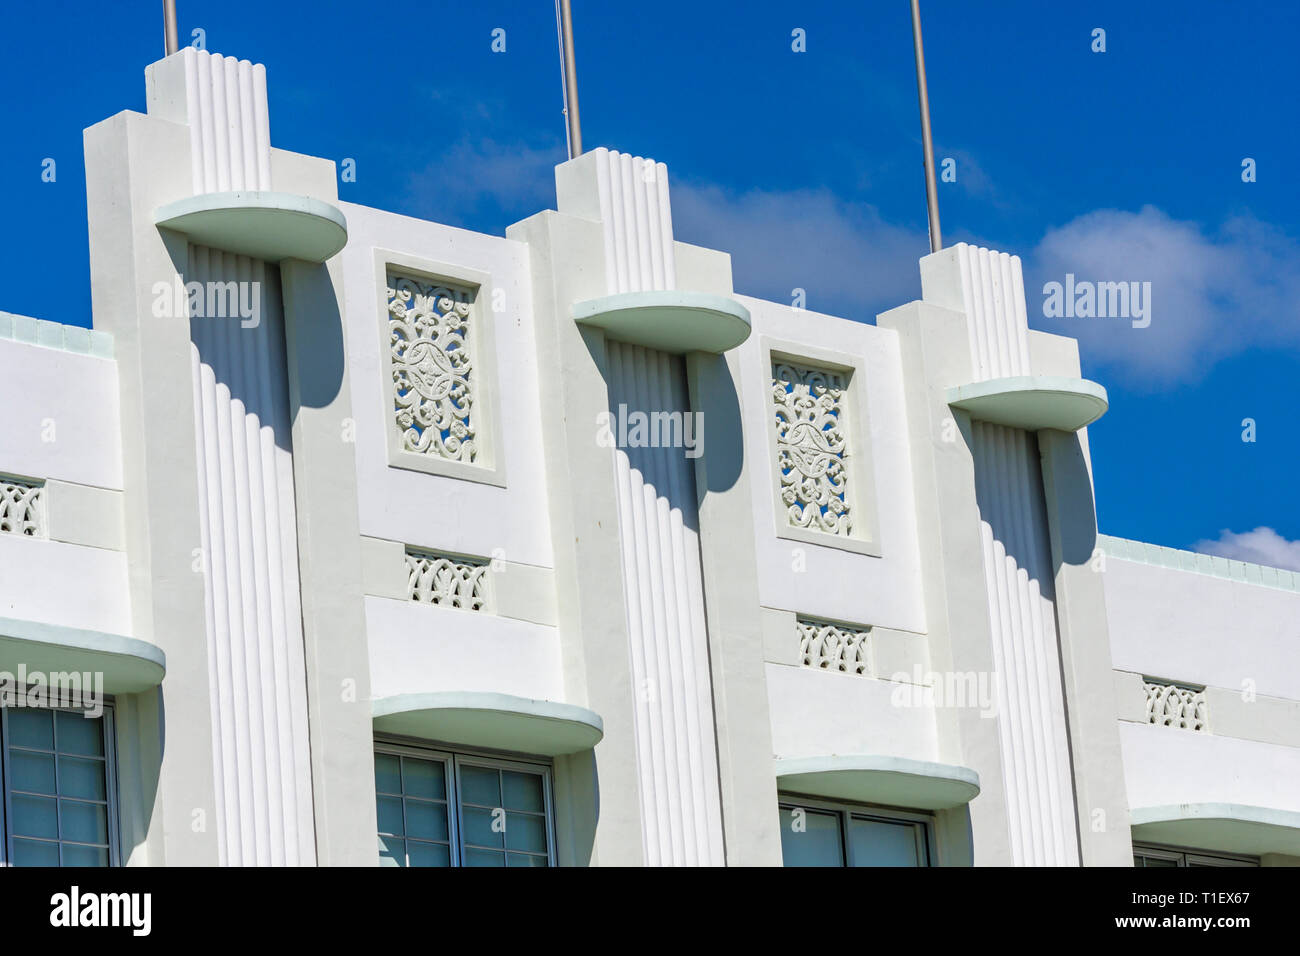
(1213, 294)
(1261, 546)
(499, 180)
(846, 257)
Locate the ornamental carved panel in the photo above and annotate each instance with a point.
(430, 329)
(834, 647)
(1170, 705)
(22, 508)
(446, 581)
(812, 446)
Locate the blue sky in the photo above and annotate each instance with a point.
(1123, 165)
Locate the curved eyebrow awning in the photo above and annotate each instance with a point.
(875, 778)
(1226, 827)
(495, 721)
(265, 225)
(129, 665)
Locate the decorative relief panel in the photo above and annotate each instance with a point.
(812, 446)
(834, 647)
(446, 581)
(429, 329)
(22, 508)
(1170, 705)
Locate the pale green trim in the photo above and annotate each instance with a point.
(1033, 401)
(676, 322)
(1227, 827)
(55, 335)
(880, 778)
(265, 225)
(1194, 562)
(491, 720)
(129, 665)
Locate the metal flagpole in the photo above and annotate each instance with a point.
(170, 43)
(927, 142)
(570, 79)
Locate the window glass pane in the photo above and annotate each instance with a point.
(522, 791)
(810, 837)
(84, 855)
(82, 777)
(31, 727)
(481, 785)
(389, 811)
(79, 734)
(1145, 861)
(31, 771)
(426, 820)
(477, 857)
(388, 774)
(392, 851)
(428, 854)
(880, 843)
(525, 832)
(34, 816)
(478, 827)
(430, 816)
(424, 778)
(83, 822)
(32, 853)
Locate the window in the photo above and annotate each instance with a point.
(59, 807)
(826, 834)
(1175, 856)
(442, 809)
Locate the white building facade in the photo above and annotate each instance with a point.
(387, 542)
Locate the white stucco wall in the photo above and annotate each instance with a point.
(818, 714)
(1201, 629)
(419, 648)
(1165, 766)
(60, 415)
(61, 424)
(840, 585)
(434, 511)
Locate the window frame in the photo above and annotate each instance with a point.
(452, 758)
(1186, 857)
(110, 786)
(847, 810)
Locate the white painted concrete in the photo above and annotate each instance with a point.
(67, 584)
(61, 415)
(1164, 767)
(421, 649)
(824, 580)
(433, 511)
(815, 714)
(1200, 629)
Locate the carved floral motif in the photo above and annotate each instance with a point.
(834, 647)
(1170, 705)
(22, 508)
(446, 581)
(429, 338)
(812, 447)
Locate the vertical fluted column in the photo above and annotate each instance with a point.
(1031, 711)
(1018, 574)
(257, 670)
(248, 527)
(676, 745)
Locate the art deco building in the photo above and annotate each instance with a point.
(388, 542)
